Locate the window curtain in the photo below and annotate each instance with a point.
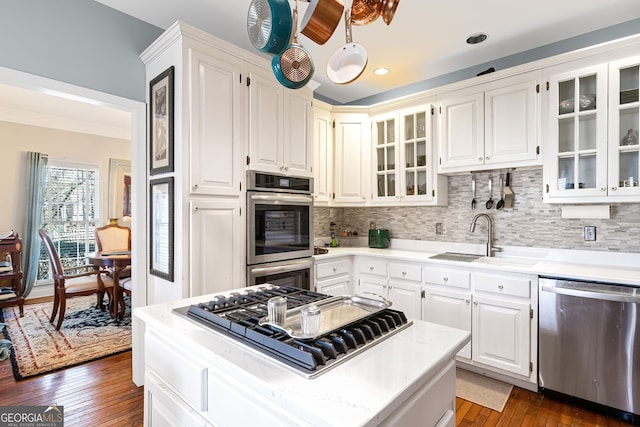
(36, 182)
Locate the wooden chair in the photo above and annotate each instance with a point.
(114, 238)
(72, 285)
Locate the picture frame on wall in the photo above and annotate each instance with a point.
(161, 113)
(161, 227)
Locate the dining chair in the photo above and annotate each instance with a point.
(67, 285)
(114, 238)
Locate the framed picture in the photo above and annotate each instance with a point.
(119, 188)
(161, 228)
(161, 123)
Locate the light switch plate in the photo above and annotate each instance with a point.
(590, 233)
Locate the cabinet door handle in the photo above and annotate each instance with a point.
(371, 268)
(487, 158)
(404, 273)
(603, 188)
(467, 301)
(445, 278)
(475, 303)
(614, 188)
(335, 269)
(480, 158)
(500, 287)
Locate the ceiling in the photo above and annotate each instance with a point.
(425, 39)
(45, 108)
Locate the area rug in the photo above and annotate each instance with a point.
(87, 333)
(482, 390)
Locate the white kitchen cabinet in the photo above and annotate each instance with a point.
(403, 159)
(502, 321)
(490, 126)
(399, 283)
(351, 172)
(322, 155)
(280, 123)
(333, 276)
(216, 123)
(217, 248)
(163, 408)
(447, 300)
(593, 121)
(498, 310)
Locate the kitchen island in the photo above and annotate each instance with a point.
(198, 376)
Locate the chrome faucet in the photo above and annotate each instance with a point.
(472, 228)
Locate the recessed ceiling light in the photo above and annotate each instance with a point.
(381, 71)
(476, 38)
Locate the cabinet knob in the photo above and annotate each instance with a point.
(467, 301)
(475, 303)
(195, 187)
(614, 188)
(488, 158)
(500, 287)
(371, 268)
(603, 188)
(335, 269)
(480, 158)
(445, 278)
(404, 273)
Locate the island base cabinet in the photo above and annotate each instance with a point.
(163, 408)
(431, 405)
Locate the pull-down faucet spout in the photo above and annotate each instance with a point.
(472, 228)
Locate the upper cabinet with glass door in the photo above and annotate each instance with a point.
(404, 160)
(384, 135)
(624, 116)
(592, 155)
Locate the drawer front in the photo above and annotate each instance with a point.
(405, 271)
(517, 286)
(373, 266)
(448, 277)
(186, 377)
(333, 268)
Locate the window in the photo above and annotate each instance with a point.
(69, 213)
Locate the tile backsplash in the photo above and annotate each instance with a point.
(529, 223)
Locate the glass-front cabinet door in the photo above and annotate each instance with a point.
(624, 116)
(578, 133)
(416, 153)
(385, 137)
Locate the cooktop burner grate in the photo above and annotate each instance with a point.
(238, 315)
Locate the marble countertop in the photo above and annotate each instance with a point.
(613, 267)
(361, 391)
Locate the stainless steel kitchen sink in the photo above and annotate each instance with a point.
(455, 256)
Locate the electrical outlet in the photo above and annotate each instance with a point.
(439, 228)
(590, 233)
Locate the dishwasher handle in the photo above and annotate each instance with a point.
(590, 293)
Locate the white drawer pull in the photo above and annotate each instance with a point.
(404, 273)
(446, 279)
(335, 269)
(371, 268)
(500, 287)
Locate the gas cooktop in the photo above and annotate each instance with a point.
(238, 315)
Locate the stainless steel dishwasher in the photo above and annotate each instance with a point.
(589, 343)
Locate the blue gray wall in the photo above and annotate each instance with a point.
(81, 42)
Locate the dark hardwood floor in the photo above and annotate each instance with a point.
(102, 393)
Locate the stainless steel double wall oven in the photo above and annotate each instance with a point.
(279, 229)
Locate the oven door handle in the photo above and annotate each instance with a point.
(281, 198)
(291, 266)
(587, 293)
